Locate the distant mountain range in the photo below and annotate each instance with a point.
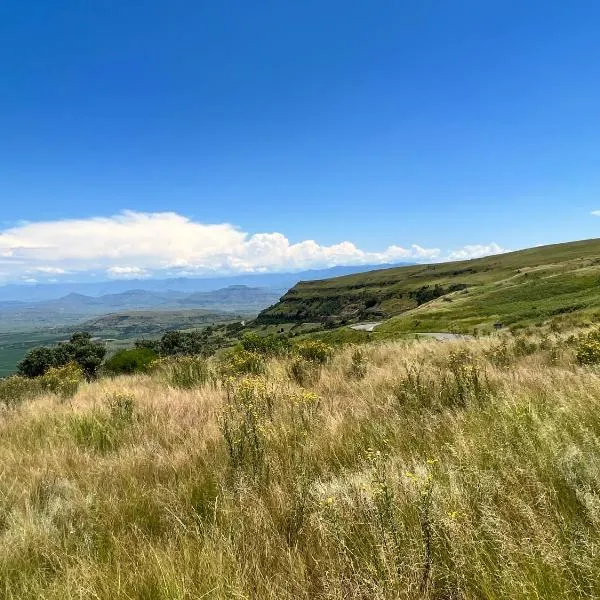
(279, 282)
(74, 306)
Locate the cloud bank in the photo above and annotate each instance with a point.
(136, 244)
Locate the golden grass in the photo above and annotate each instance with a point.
(430, 473)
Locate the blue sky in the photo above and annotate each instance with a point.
(381, 124)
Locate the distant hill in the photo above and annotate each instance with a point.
(279, 282)
(144, 322)
(73, 307)
(521, 287)
(234, 297)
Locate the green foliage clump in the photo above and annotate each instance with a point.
(500, 355)
(80, 349)
(314, 351)
(588, 349)
(180, 343)
(183, 372)
(524, 347)
(16, 389)
(37, 362)
(63, 381)
(134, 360)
(358, 365)
(241, 362)
(246, 414)
(270, 345)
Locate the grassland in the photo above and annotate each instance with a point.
(400, 470)
(558, 282)
(120, 329)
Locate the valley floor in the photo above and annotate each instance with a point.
(468, 469)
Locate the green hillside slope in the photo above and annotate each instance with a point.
(514, 288)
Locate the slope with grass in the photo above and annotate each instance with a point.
(399, 471)
(120, 330)
(516, 288)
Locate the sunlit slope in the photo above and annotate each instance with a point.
(517, 287)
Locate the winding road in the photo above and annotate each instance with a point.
(439, 336)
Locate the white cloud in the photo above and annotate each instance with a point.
(50, 270)
(126, 272)
(135, 244)
(475, 251)
(595, 213)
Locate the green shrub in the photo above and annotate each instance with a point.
(182, 343)
(270, 345)
(315, 351)
(247, 411)
(588, 349)
(241, 362)
(135, 360)
(500, 355)
(80, 349)
(524, 347)
(358, 366)
(63, 381)
(15, 389)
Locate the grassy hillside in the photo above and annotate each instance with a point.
(145, 322)
(122, 329)
(522, 287)
(409, 470)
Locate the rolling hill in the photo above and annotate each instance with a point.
(516, 288)
(74, 307)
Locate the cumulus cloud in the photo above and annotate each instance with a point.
(118, 272)
(475, 251)
(135, 244)
(595, 213)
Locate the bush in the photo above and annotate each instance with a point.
(315, 351)
(358, 366)
(269, 345)
(15, 389)
(500, 355)
(135, 360)
(246, 414)
(588, 349)
(37, 362)
(79, 349)
(181, 343)
(63, 381)
(241, 362)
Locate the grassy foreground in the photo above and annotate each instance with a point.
(400, 470)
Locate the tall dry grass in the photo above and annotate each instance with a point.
(402, 470)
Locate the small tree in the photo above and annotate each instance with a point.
(80, 349)
(36, 362)
(180, 343)
(83, 351)
(134, 360)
